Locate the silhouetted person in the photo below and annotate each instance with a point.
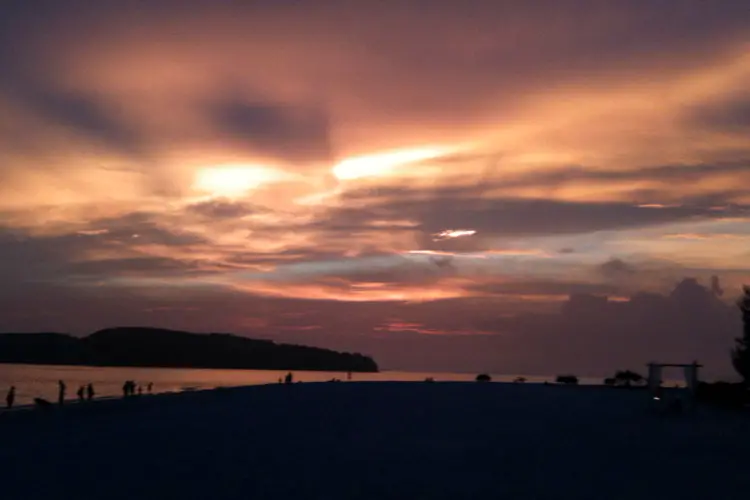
(90, 391)
(289, 378)
(126, 389)
(80, 392)
(349, 375)
(11, 397)
(61, 393)
(140, 390)
(150, 386)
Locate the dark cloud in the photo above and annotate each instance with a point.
(680, 174)
(82, 113)
(285, 131)
(629, 277)
(223, 209)
(65, 258)
(143, 227)
(462, 208)
(302, 254)
(24, 259)
(670, 176)
(149, 267)
(545, 287)
(731, 115)
(617, 269)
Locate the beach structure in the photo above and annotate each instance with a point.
(690, 373)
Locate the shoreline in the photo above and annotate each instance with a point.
(73, 406)
(41, 381)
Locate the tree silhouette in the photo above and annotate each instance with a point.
(567, 379)
(741, 352)
(627, 377)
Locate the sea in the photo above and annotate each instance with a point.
(41, 381)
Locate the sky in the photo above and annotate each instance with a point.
(415, 179)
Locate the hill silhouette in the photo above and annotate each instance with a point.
(156, 347)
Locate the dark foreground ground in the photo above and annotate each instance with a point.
(377, 441)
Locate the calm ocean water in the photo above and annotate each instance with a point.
(34, 381)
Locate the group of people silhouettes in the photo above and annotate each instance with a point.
(129, 388)
(85, 392)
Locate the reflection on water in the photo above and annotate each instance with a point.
(34, 381)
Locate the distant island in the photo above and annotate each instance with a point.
(156, 347)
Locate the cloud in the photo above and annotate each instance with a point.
(616, 268)
(727, 115)
(222, 209)
(135, 266)
(547, 289)
(112, 248)
(80, 112)
(436, 210)
(289, 132)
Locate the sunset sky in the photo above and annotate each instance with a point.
(388, 176)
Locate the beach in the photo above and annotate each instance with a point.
(376, 440)
(41, 381)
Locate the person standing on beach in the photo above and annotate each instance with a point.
(150, 386)
(90, 391)
(61, 393)
(11, 397)
(289, 378)
(79, 393)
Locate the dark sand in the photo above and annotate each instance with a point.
(376, 441)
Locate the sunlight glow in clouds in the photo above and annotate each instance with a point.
(453, 233)
(381, 164)
(234, 180)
